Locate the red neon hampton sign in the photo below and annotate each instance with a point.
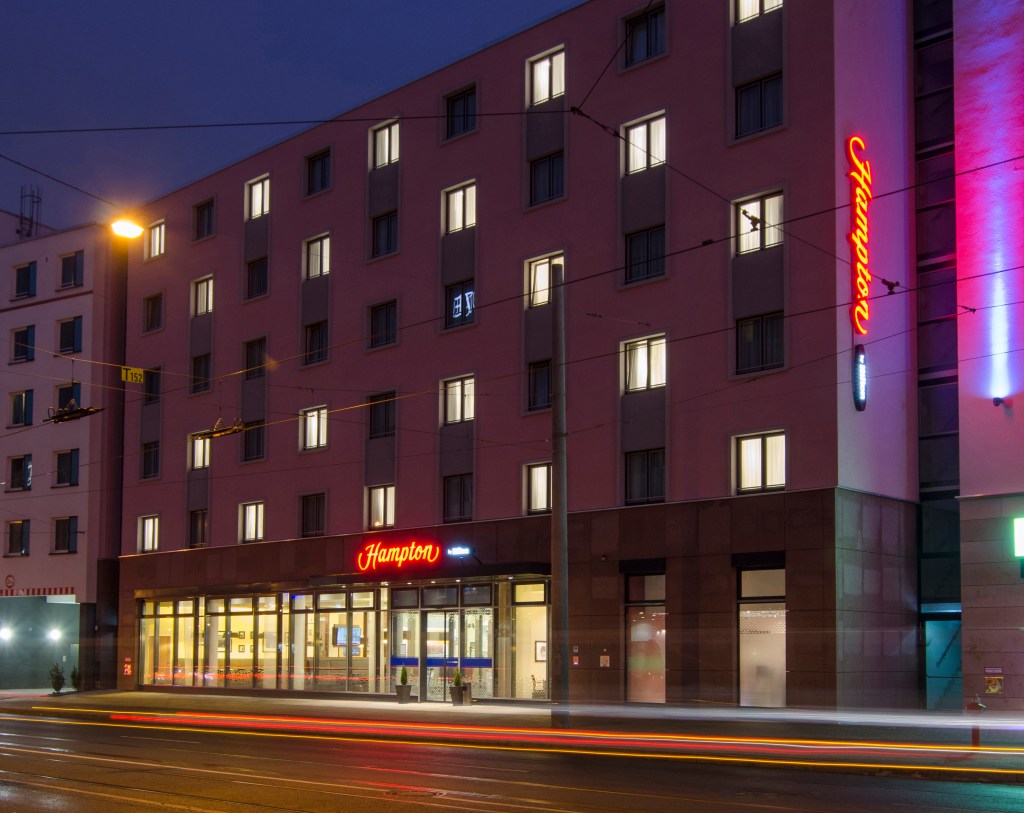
(377, 555)
(860, 196)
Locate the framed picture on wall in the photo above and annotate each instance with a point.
(540, 651)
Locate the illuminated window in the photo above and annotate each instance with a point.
(458, 400)
(199, 452)
(645, 254)
(203, 220)
(155, 239)
(461, 304)
(152, 312)
(256, 278)
(316, 348)
(458, 498)
(539, 374)
(21, 408)
(18, 536)
(645, 476)
(385, 145)
(461, 208)
(757, 223)
(759, 342)
(749, 9)
(645, 145)
(313, 510)
(149, 533)
(547, 77)
(761, 462)
(313, 423)
(21, 473)
(759, 106)
(200, 373)
(257, 197)
(318, 257)
(250, 522)
(645, 36)
(385, 234)
(150, 459)
(69, 338)
(540, 279)
(382, 414)
(256, 358)
(538, 488)
(254, 441)
(381, 506)
(72, 270)
(65, 535)
(25, 281)
(67, 468)
(644, 363)
(202, 296)
(547, 178)
(23, 343)
(318, 172)
(198, 528)
(461, 112)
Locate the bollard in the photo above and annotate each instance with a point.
(975, 707)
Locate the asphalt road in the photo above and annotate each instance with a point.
(87, 766)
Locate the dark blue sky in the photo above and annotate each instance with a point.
(114, 63)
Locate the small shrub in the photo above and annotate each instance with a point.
(403, 676)
(57, 678)
(76, 679)
(457, 680)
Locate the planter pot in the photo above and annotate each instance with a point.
(403, 692)
(459, 694)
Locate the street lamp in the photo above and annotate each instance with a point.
(126, 228)
(5, 633)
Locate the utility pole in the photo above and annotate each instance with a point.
(559, 650)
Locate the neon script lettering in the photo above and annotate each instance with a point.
(860, 197)
(377, 554)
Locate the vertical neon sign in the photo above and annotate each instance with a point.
(860, 197)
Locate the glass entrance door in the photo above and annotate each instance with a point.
(442, 652)
(763, 654)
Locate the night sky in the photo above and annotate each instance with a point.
(112, 63)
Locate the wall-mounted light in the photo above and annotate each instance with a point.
(53, 635)
(5, 634)
(1006, 402)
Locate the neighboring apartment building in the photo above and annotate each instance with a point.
(340, 465)
(62, 328)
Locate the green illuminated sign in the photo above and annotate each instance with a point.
(1018, 536)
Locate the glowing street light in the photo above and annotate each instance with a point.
(53, 635)
(126, 228)
(5, 634)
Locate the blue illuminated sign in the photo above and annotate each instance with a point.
(860, 378)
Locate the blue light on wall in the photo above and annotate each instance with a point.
(860, 378)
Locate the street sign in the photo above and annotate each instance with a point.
(133, 375)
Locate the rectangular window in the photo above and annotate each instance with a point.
(645, 254)
(256, 358)
(645, 36)
(461, 111)
(23, 343)
(318, 172)
(25, 281)
(458, 498)
(155, 239)
(458, 399)
(149, 533)
(72, 270)
(384, 324)
(198, 528)
(204, 220)
(65, 535)
(382, 414)
(316, 343)
(541, 274)
(21, 408)
(759, 343)
(318, 257)
(645, 363)
(21, 473)
(254, 441)
(547, 179)
(18, 533)
(759, 106)
(69, 396)
(150, 459)
(461, 208)
(152, 312)
(69, 335)
(313, 422)
(67, 468)
(250, 520)
(539, 385)
(385, 145)
(200, 373)
(202, 296)
(645, 476)
(538, 488)
(459, 299)
(645, 145)
(199, 452)
(381, 506)
(749, 9)
(757, 223)
(257, 197)
(547, 77)
(314, 514)
(385, 234)
(151, 386)
(256, 278)
(761, 462)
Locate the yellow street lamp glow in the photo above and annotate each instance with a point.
(125, 228)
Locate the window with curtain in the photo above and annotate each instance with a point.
(645, 363)
(761, 462)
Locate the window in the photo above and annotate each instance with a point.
(72, 270)
(458, 399)
(461, 208)
(458, 498)
(150, 459)
(202, 296)
(385, 145)
(645, 476)
(645, 145)
(645, 254)
(547, 180)
(256, 358)
(198, 528)
(538, 488)
(69, 335)
(23, 343)
(149, 533)
(384, 324)
(459, 299)
(547, 77)
(539, 283)
(385, 234)
(253, 441)
(758, 106)
(257, 197)
(645, 36)
(761, 462)
(67, 468)
(539, 385)
(200, 373)
(645, 363)
(256, 278)
(759, 343)
(199, 452)
(318, 257)
(21, 473)
(151, 386)
(155, 239)
(250, 520)
(313, 426)
(21, 408)
(314, 512)
(152, 312)
(204, 220)
(749, 9)
(461, 109)
(316, 343)
(65, 535)
(381, 506)
(757, 223)
(318, 172)
(18, 537)
(69, 396)
(25, 281)
(382, 414)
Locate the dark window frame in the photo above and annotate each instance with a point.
(257, 278)
(384, 323)
(465, 314)
(539, 385)
(204, 220)
(255, 358)
(152, 313)
(315, 348)
(649, 486)
(767, 347)
(202, 369)
(313, 514)
(254, 441)
(645, 254)
(318, 172)
(385, 234)
(25, 280)
(382, 414)
(765, 117)
(645, 36)
(150, 460)
(457, 491)
(72, 270)
(65, 534)
(69, 335)
(460, 112)
(198, 528)
(547, 178)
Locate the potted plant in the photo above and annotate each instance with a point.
(403, 690)
(458, 690)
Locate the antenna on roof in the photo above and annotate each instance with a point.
(31, 210)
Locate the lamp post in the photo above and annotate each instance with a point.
(559, 650)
